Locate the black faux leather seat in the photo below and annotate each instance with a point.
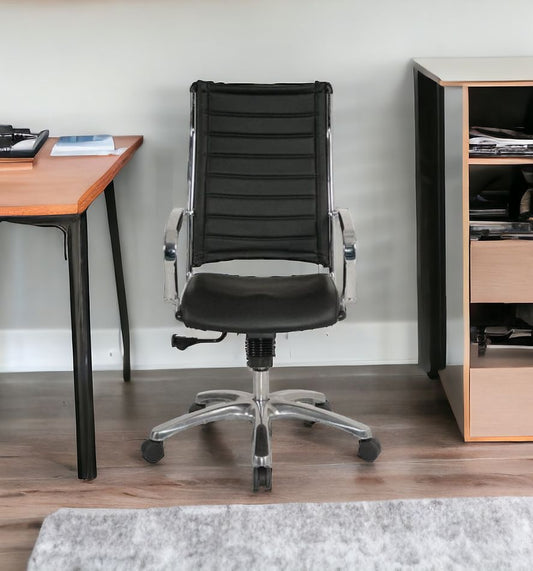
(248, 304)
(260, 188)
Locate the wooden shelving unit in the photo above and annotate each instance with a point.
(491, 394)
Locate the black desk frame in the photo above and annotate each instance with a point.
(74, 227)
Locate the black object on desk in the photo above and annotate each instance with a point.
(11, 137)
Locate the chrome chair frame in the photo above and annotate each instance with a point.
(259, 407)
(340, 217)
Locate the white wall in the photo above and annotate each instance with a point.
(125, 66)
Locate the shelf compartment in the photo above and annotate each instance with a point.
(501, 271)
(504, 107)
(509, 108)
(501, 401)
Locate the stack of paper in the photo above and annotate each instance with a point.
(85, 145)
(493, 141)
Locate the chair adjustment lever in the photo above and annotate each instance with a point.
(182, 343)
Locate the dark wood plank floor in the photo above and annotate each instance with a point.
(423, 452)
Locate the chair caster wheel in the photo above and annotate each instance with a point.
(152, 451)
(324, 405)
(195, 406)
(262, 478)
(369, 449)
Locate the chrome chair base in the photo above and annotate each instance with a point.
(260, 408)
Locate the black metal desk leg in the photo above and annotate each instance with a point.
(81, 346)
(119, 278)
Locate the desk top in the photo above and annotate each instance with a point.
(61, 185)
(477, 70)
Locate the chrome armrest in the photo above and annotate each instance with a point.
(170, 252)
(349, 251)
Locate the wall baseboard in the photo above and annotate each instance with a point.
(344, 344)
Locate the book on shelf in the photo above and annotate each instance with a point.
(84, 145)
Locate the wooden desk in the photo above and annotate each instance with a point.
(57, 192)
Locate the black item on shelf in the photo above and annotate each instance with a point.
(10, 136)
(498, 230)
(499, 324)
(528, 117)
(526, 200)
(490, 204)
(503, 208)
(517, 189)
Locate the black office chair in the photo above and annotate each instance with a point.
(260, 188)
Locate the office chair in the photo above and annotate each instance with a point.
(259, 188)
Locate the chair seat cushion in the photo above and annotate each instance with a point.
(245, 304)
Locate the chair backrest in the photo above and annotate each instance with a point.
(259, 172)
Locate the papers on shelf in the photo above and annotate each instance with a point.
(85, 145)
(493, 141)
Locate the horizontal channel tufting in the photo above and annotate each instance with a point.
(261, 172)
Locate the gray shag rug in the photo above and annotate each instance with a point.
(458, 533)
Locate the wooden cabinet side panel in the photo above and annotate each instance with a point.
(453, 382)
(454, 377)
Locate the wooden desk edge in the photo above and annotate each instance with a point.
(98, 187)
(89, 196)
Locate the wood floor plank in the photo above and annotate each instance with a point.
(423, 452)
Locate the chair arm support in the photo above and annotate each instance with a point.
(170, 252)
(349, 250)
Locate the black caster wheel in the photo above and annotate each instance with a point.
(195, 406)
(324, 405)
(262, 478)
(369, 449)
(433, 374)
(152, 451)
